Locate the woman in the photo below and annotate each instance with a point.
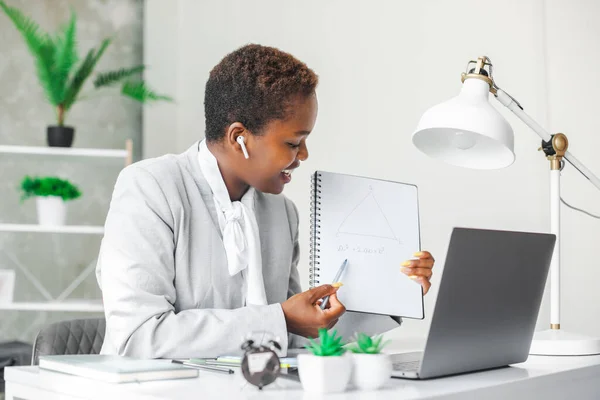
(199, 248)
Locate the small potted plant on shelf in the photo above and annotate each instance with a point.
(327, 369)
(62, 75)
(51, 195)
(372, 368)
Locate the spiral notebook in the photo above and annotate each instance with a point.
(374, 224)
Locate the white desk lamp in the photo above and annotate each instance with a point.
(468, 131)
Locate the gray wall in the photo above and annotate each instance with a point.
(100, 122)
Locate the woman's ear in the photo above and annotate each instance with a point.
(234, 131)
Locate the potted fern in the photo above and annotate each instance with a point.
(51, 195)
(62, 74)
(372, 368)
(326, 369)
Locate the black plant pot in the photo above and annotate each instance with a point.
(60, 136)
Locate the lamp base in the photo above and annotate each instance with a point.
(556, 342)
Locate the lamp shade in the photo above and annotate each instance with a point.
(467, 130)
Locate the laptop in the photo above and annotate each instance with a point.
(487, 305)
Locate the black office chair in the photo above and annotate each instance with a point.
(79, 336)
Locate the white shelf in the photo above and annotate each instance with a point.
(64, 151)
(66, 305)
(87, 229)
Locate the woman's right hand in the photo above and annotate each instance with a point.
(304, 316)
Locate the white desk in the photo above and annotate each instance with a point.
(538, 378)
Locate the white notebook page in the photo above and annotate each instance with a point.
(375, 225)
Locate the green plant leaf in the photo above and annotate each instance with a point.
(336, 342)
(48, 186)
(377, 341)
(82, 74)
(324, 337)
(28, 28)
(66, 55)
(363, 341)
(313, 347)
(137, 90)
(42, 48)
(112, 77)
(53, 88)
(368, 345)
(329, 345)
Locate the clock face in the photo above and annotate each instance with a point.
(260, 367)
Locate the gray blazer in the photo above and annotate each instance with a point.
(163, 270)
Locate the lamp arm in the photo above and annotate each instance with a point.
(506, 100)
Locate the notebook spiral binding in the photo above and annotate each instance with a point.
(315, 221)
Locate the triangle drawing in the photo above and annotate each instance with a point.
(367, 219)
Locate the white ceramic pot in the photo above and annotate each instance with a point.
(371, 371)
(324, 374)
(51, 210)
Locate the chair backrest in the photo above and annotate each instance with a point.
(79, 336)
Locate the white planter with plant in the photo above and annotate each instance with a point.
(51, 195)
(372, 368)
(328, 368)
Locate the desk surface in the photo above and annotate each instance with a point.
(538, 377)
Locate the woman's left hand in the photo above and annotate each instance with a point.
(420, 269)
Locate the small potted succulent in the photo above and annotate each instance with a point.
(372, 368)
(327, 369)
(51, 194)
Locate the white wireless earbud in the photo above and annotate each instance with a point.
(240, 140)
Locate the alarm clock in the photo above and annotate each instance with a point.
(260, 362)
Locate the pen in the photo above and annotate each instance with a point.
(204, 367)
(238, 363)
(338, 275)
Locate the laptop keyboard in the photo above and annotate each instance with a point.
(410, 366)
(408, 362)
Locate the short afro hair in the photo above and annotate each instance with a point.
(254, 85)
